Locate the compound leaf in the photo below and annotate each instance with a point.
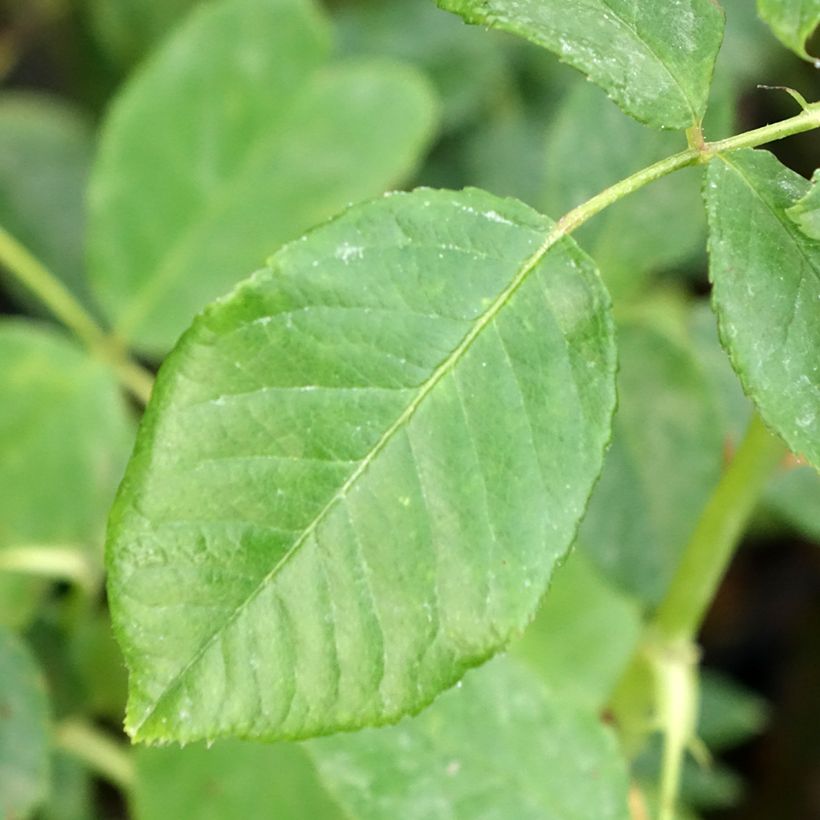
(498, 746)
(231, 141)
(766, 276)
(24, 741)
(359, 470)
(792, 21)
(654, 59)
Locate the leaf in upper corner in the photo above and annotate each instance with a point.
(654, 59)
(665, 460)
(766, 277)
(792, 21)
(234, 138)
(498, 746)
(583, 636)
(64, 438)
(24, 742)
(232, 779)
(128, 29)
(45, 154)
(806, 212)
(359, 469)
(469, 69)
(590, 145)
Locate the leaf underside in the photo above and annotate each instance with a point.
(359, 470)
(655, 60)
(766, 276)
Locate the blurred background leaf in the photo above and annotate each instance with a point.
(46, 148)
(24, 731)
(65, 434)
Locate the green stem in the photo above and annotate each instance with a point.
(31, 273)
(100, 752)
(718, 533)
(807, 120)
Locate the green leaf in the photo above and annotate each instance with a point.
(806, 213)
(230, 780)
(592, 145)
(65, 434)
(468, 68)
(127, 29)
(583, 636)
(702, 788)
(655, 60)
(45, 154)
(359, 469)
(792, 21)
(729, 713)
(766, 276)
(794, 497)
(72, 791)
(793, 494)
(24, 741)
(498, 746)
(230, 142)
(667, 425)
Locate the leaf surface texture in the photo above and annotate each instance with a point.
(766, 277)
(359, 470)
(654, 59)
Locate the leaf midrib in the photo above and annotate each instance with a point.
(555, 234)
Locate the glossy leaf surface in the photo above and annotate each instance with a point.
(230, 780)
(655, 59)
(666, 425)
(232, 140)
(64, 438)
(359, 469)
(498, 746)
(24, 741)
(792, 21)
(766, 276)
